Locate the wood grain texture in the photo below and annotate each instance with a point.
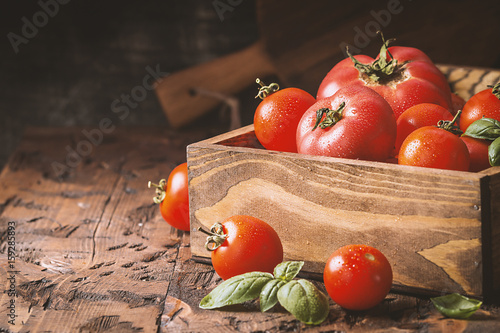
(92, 251)
(318, 204)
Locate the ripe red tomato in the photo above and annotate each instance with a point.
(356, 123)
(485, 103)
(173, 198)
(357, 277)
(457, 103)
(244, 244)
(434, 147)
(478, 151)
(277, 116)
(404, 76)
(420, 115)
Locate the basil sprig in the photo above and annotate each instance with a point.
(300, 297)
(456, 306)
(487, 129)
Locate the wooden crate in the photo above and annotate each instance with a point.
(440, 229)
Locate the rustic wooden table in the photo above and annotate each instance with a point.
(84, 248)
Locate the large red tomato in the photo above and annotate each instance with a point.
(357, 277)
(404, 76)
(277, 116)
(243, 244)
(420, 115)
(355, 122)
(485, 103)
(173, 198)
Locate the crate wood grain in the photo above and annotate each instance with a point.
(440, 229)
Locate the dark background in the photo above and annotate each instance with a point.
(90, 53)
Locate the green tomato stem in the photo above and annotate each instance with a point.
(331, 117)
(264, 90)
(160, 190)
(450, 126)
(216, 236)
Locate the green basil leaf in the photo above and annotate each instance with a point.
(306, 302)
(288, 270)
(456, 305)
(238, 289)
(494, 152)
(269, 294)
(484, 128)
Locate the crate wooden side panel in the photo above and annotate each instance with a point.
(427, 222)
(491, 233)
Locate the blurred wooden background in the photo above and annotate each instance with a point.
(87, 54)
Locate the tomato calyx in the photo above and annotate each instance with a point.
(450, 125)
(216, 236)
(495, 90)
(160, 190)
(331, 117)
(382, 70)
(264, 90)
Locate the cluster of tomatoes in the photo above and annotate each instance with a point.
(357, 277)
(396, 107)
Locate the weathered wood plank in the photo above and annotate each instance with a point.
(92, 250)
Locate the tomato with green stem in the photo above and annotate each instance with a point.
(404, 76)
(278, 114)
(420, 115)
(243, 244)
(355, 122)
(172, 196)
(436, 147)
(357, 277)
(485, 103)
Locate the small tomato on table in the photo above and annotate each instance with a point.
(243, 244)
(357, 277)
(172, 196)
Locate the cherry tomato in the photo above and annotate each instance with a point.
(434, 147)
(478, 151)
(420, 115)
(243, 244)
(355, 123)
(357, 277)
(173, 198)
(277, 116)
(485, 103)
(404, 76)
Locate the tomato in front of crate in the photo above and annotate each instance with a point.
(420, 115)
(173, 198)
(357, 277)
(478, 152)
(243, 244)
(355, 122)
(485, 103)
(404, 76)
(435, 147)
(278, 114)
